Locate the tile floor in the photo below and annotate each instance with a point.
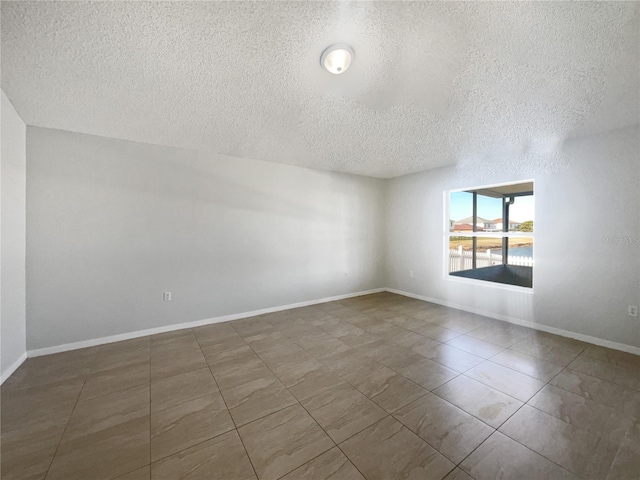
(377, 387)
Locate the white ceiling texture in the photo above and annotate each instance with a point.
(431, 83)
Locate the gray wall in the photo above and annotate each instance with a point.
(111, 224)
(12, 233)
(586, 189)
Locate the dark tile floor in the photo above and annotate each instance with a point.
(379, 386)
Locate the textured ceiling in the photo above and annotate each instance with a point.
(432, 83)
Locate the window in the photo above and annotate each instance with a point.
(490, 236)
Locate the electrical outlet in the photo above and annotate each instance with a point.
(633, 310)
(346, 273)
(411, 273)
(166, 297)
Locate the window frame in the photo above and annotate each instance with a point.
(505, 235)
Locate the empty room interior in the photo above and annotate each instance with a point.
(320, 240)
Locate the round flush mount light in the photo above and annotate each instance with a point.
(337, 58)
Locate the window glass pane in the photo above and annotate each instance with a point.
(488, 252)
(460, 212)
(521, 251)
(489, 260)
(460, 253)
(521, 214)
(489, 213)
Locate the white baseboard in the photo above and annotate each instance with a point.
(180, 326)
(13, 367)
(525, 323)
(227, 318)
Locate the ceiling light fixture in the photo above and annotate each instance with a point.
(337, 58)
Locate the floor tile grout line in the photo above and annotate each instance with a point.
(227, 407)
(302, 406)
(347, 456)
(308, 461)
(181, 402)
(385, 366)
(626, 387)
(320, 426)
(513, 370)
(565, 368)
(68, 421)
(386, 416)
(150, 410)
(597, 378)
(499, 391)
(421, 355)
(599, 436)
(435, 448)
(550, 384)
(431, 391)
(371, 398)
(538, 453)
(632, 369)
(226, 359)
(235, 428)
(187, 448)
(452, 346)
(426, 392)
(491, 435)
(513, 439)
(131, 387)
(74, 408)
(462, 373)
(427, 389)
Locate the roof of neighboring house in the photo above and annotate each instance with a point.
(465, 227)
(469, 220)
(499, 220)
